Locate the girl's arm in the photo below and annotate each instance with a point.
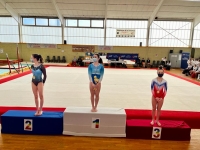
(101, 73)
(90, 73)
(44, 73)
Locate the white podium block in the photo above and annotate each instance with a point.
(107, 122)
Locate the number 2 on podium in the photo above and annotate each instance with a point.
(28, 126)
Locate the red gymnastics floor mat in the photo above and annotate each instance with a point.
(9, 78)
(191, 118)
(6, 79)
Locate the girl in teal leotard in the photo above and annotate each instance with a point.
(95, 72)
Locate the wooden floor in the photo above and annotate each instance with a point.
(31, 142)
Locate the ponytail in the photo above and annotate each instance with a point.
(41, 59)
(38, 57)
(100, 61)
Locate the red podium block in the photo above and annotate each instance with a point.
(170, 130)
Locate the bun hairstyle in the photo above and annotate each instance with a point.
(160, 67)
(38, 57)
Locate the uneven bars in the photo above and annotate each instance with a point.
(18, 56)
(8, 62)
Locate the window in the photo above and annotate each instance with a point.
(46, 30)
(84, 23)
(97, 23)
(41, 22)
(196, 37)
(71, 23)
(54, 22)
(28, 21)
(9, 30)
(138, 26)
(86, 36)
(170, 33)
(48, 35)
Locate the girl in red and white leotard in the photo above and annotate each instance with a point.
(159, 91)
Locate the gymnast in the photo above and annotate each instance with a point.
(159, 91)
(37, 82)
(95, 72)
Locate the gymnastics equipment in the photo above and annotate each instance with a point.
(25, 122)
(107, 122)
(11, 62)
(170, 130)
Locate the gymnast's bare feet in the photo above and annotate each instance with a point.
(36, 113)
(93, 110)
(40, 112)
(158, 123)
(152, 122)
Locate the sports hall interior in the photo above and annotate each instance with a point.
(68, 29)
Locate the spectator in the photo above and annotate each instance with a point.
(193, 62)
(168, 66)
(163, 61)
(187, 70)
(192, 72)
(198, 64)
(148, 62)
(138, 62)
(80, 61)
(74, 61)
(189, 61)
(196, 73)
(143, 63)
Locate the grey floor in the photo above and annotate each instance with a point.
(120, 89)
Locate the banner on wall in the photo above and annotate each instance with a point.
(184, 59)
(124, 56)
(125, 33)
(84, 48)
(105, 47)
(41, 45)
(1, 50)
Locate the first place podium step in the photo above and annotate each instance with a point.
(106, 122)
(25, 122)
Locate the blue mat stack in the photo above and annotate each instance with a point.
(24, 122)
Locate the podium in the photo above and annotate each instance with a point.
(169, 130)
(24, 122)
(106, 122)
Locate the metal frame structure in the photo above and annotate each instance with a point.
(19, 19)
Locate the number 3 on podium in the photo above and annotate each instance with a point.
(156, 134)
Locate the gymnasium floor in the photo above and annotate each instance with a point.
(121, 88)
(124, 88)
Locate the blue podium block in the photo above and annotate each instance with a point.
(24, 122)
